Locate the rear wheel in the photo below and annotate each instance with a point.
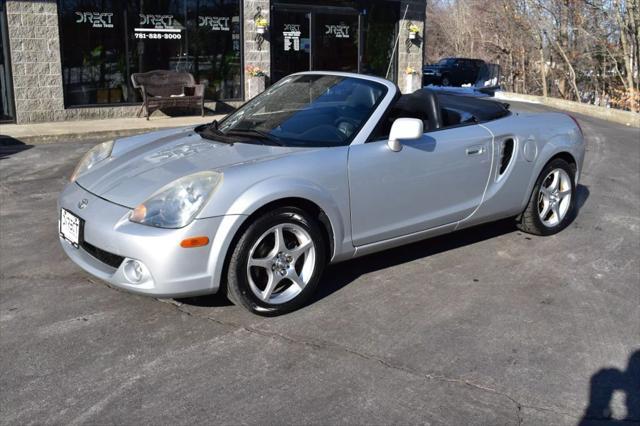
(552, 204)
(277, 263)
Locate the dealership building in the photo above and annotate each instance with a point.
(73, 59)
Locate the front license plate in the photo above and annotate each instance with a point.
(70, 227)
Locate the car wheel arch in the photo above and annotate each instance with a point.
(299, 193)
(566, 156)
(551, 152)
(312, 208)
(274, 192)
(559, 152)
(296, 202)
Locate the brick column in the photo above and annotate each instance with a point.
(411, 54)
(253, 56)
(35, 60)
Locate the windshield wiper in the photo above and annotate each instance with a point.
(256, 133)
(210, 131)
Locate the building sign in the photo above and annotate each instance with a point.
(216, 23)
(291, 35)
(158, 21)
(162, 28)
(338, 31)
(95, 19)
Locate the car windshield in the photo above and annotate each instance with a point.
(307, 111)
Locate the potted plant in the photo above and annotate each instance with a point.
(412, 80)
(256, 81)
(261, 25)
(414, 30)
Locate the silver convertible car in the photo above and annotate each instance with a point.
(322, 167)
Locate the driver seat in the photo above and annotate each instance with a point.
(362, 97)
(423, 105)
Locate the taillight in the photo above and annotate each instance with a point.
(575, 120)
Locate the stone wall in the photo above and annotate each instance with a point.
(35, 60)
(256, 54)
(411, 52)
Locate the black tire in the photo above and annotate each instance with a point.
(445, 82)
(238, 288)
(529, 220)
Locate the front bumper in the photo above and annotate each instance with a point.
(170, 270)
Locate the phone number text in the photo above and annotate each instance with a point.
(159, 36)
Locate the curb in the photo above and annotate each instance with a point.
(72, 137)
(628, 118)
(69, 131)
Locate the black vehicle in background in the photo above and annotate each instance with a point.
(452, 72)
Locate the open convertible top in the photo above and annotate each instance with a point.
(441, 110)
(481, 109)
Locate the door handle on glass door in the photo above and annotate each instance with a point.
(475, 150)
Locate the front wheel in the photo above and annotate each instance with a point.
(277, 263)
(552, 204)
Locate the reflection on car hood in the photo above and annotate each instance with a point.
(141, 165)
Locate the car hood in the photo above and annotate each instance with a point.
(141, 165)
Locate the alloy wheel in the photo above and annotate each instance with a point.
(281, 263)
(554, 197)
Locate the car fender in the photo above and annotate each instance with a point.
(278, 188)
(268, 191)
(559, 144)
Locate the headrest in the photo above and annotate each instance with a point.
(362, 96)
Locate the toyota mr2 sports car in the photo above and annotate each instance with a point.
(320, 168)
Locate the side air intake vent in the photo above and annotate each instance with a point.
(506, 153)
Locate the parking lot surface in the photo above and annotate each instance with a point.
(485, 326)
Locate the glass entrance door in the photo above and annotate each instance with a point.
(306, 37)
(291, 44)
(335, 42)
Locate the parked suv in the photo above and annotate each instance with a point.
(452, 72)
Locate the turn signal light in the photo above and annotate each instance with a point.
(194, 242)
(138, 213)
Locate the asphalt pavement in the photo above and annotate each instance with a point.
(487, 326)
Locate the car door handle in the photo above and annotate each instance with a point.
(475, 150)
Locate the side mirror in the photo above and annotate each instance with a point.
(404, 129)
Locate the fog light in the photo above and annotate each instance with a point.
(133, 271)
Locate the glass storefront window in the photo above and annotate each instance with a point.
(94, 67)
(105, 41)
(214, 46)
(379, 34)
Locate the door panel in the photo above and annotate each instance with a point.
(432, 181)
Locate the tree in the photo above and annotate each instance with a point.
(583, 50)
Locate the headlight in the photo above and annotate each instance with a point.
(176, 204)
(95, 155)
